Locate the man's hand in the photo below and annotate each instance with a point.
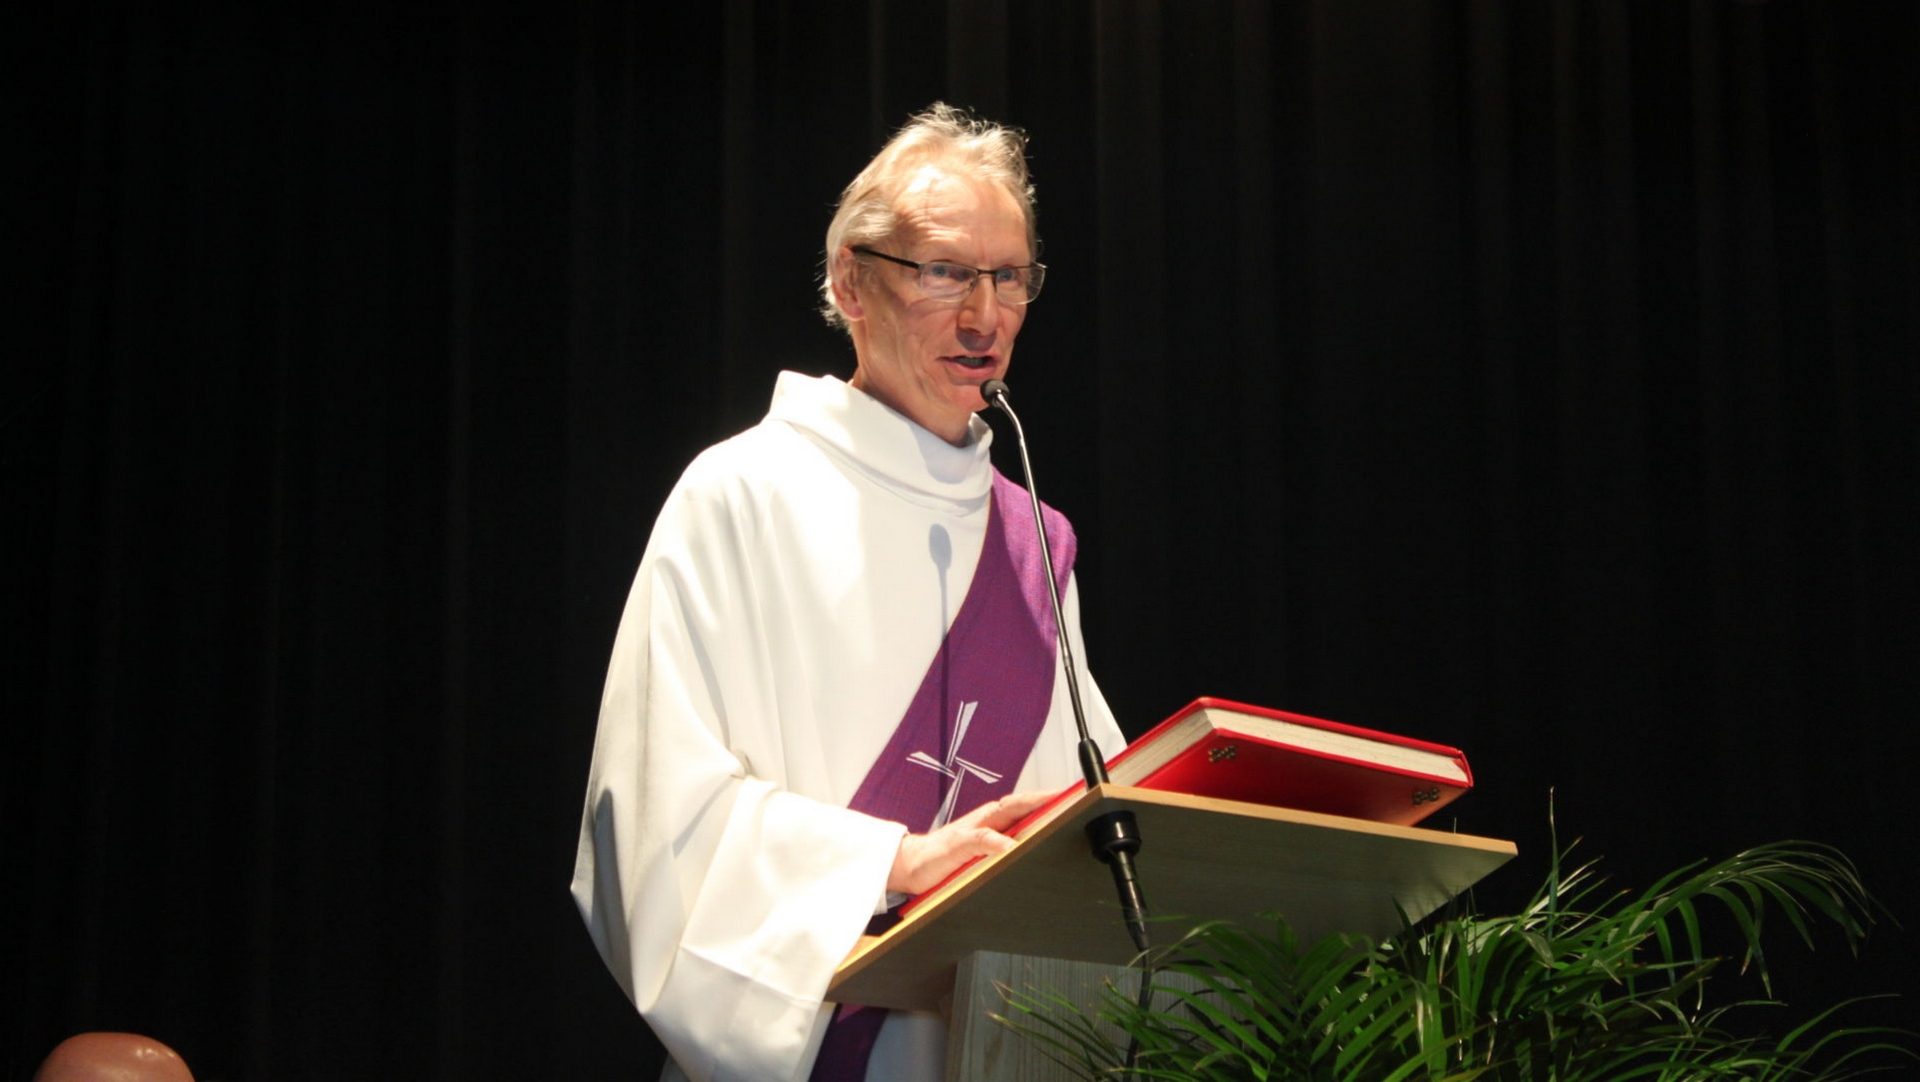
(925, 859)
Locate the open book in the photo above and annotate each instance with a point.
(1232, 751)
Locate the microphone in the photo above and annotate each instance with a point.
(1115, 836)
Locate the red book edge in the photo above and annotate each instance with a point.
(1209, 703)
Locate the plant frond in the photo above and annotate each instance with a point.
(1585, 983)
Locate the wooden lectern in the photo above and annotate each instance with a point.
(1018, 917)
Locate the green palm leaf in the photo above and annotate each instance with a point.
(1582, 983)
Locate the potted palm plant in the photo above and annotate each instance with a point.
(1582, 983)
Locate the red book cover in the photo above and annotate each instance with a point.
(1233, 751)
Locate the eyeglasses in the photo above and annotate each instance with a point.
(945, 281)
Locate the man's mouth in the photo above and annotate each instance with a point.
(973, 362)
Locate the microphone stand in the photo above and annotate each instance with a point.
(1115, 836)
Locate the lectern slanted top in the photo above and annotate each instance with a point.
(1203, 859)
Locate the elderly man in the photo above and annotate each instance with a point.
(836, 679)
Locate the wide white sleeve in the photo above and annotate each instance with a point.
(721, 900)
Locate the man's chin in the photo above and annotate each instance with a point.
(968, 394)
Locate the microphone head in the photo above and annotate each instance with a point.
(994, 393)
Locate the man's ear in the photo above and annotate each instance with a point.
(846, 291)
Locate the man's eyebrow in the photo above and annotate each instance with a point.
(967, 261)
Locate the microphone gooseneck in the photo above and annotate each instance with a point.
(1092, 764)
(1115, 836)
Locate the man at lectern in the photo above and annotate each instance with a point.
(837, 676)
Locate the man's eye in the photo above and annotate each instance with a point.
(946, 272)
(1006, 276)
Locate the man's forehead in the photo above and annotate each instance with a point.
(932, 189)
(933, 194)
(932, 177)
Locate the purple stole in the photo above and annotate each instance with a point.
(978, 713)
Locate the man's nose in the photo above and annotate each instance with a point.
(980, 308)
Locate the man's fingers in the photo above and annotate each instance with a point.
(1018, 806)
(925, 859)
(1008, 810)
(987, 841)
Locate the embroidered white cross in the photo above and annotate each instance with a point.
(953, 766)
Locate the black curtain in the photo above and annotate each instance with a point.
(1537, 378)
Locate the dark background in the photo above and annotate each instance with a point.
(1537, 378)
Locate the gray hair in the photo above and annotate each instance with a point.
(941, 134)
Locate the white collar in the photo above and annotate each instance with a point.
(883, 443)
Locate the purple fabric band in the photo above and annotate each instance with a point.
(975, 719)
(848, 1044)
